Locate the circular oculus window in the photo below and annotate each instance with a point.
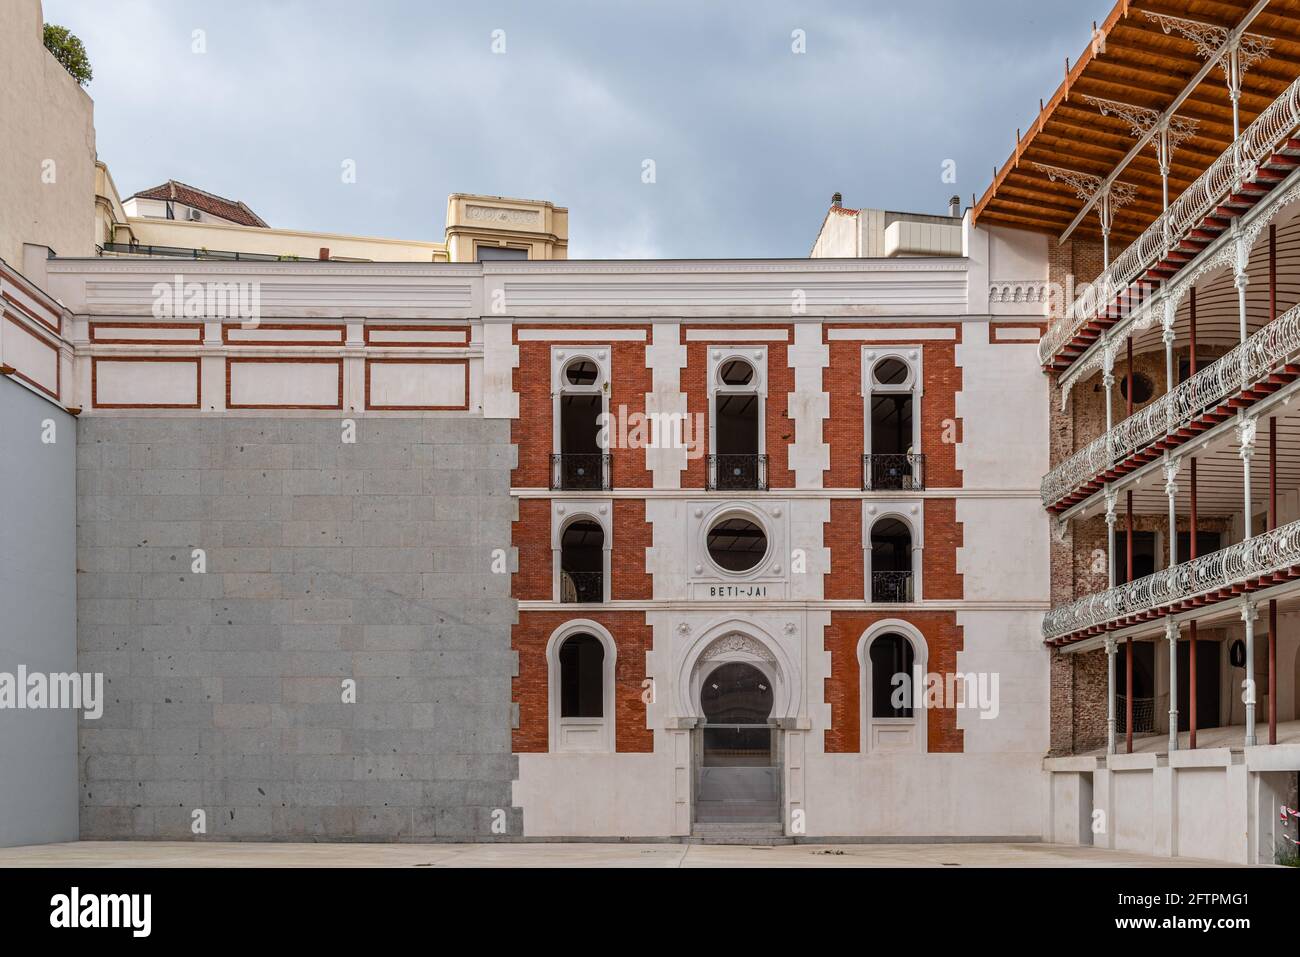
(736, 372)
(736, 544)
(890, 372)
(581, 372)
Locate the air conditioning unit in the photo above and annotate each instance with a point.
(193, 215)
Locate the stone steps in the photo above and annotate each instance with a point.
(750, 833)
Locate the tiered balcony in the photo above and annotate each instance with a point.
(1260, 159)
(1268, 559)
(1260, 366)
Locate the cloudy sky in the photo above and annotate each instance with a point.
(748, 138)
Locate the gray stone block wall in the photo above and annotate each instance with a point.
(325, 561)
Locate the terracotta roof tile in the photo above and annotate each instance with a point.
(228, 209)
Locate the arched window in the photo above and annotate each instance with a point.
(581, 461)
(737, 462)
(582, 562)
(891, 570)
(893, 459)
(581, 666)
(580, 660)
(893, 658)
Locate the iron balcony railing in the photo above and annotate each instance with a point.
(582, 586)
(737, 473)
(893, 472)
(1238, 164)
(1266, 554)
(581, 471)
(891, 587)
(1249, 363)
(185, 252)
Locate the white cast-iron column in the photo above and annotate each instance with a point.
(1110, 695)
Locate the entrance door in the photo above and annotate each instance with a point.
(1207, 685)
(1144, 688)
(739, 777)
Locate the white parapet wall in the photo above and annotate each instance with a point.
(1219, 804)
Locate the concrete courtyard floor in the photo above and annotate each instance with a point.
(185, 854)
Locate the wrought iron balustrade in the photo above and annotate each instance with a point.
(1245, 365)
(1268, 553)
(582, 586)
(1237, 164)
(893, 471)
(581, 471)
(186, 252)
(737, 473)
(891, 587)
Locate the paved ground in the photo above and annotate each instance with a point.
(183, 854)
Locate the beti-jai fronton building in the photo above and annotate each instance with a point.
(651, 549)
(969, 526)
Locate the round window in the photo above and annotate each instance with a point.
(736, 372)
(1143, 388)
(581, 372)
(891, 372)
(736, 544)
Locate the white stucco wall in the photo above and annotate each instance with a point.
(925, 795)
(47, 162)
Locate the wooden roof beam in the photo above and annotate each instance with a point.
(1148, 30)
(1193, 162)
(1210, 64)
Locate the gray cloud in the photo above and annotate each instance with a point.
(749, 139)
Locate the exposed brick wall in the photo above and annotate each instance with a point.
(533, 431)
(843, 536)
(843, 687)
(778, 426)
(939, 405)
(632, 637)
(531, 535)
(1088, 398)
(632, 536)
(694, 383)
(1089, 697)
(1082, 261)
(632, 379)
(845, 428)
(943, 536)
(1061, 703)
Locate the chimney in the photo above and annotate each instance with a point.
(954, 207)
(837, 199)
(324, 252)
